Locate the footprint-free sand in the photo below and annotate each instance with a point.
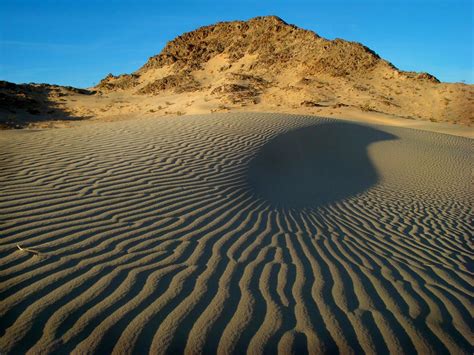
(232, 233)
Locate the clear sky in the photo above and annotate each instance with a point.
(76, 42)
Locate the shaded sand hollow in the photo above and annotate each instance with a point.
(229, 233)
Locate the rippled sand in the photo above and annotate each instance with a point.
(233, 233)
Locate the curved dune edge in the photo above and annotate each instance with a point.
(160, 236)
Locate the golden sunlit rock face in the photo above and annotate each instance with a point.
(262, 64)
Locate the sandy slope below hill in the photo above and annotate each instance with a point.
(221, 233)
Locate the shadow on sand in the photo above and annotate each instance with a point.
(22, 104)
(316, 165)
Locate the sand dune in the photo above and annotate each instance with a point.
(232, 232)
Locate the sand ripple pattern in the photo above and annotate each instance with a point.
(170, 236)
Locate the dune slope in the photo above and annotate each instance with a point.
(231, 232)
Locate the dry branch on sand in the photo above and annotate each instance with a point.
(28, 250)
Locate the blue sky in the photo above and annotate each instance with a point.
(79, 42)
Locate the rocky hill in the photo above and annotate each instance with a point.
(265, 64)
(23, 104)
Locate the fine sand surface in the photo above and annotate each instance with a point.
(228, 233)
